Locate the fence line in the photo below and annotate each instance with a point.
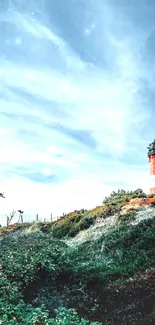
(21, 218)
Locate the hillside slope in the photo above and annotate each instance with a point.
(90, 267)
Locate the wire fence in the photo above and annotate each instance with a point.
(10, 219)
(13, 218)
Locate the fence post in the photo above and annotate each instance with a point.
(7, 221)
(37, 217)
(51, 217)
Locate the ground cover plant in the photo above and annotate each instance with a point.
(44, 279)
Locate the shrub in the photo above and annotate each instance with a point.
(72, 225)
(118, 199)
(72, 272)
(126, 218)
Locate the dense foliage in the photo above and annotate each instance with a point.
(25, 260)
(45, 280)
(117, 200)
(75, 222)
(81, 220)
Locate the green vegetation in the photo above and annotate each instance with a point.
(122, 196)
(39, 272)
(26, 260)
(118, 199)
(38, 316)
(73, 224)
(46, 277)
(77, 221)
(126, 218)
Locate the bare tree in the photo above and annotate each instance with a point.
(10, 217)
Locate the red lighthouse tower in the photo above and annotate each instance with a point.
(151, 156)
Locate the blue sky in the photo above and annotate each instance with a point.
(77, 81)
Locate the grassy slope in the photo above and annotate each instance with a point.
(110, 279)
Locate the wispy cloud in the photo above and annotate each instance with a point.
(75, 102)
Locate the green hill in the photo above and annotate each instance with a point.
(89, 267)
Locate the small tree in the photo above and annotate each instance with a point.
(10, 217)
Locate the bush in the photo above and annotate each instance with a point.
(118, 199)
(72, 225)
(46, 267)
(27, 315)
(126, 218)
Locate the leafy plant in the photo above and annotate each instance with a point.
(126, 218)
(118, 199)
(47, 279)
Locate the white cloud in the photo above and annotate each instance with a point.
(48, 84)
